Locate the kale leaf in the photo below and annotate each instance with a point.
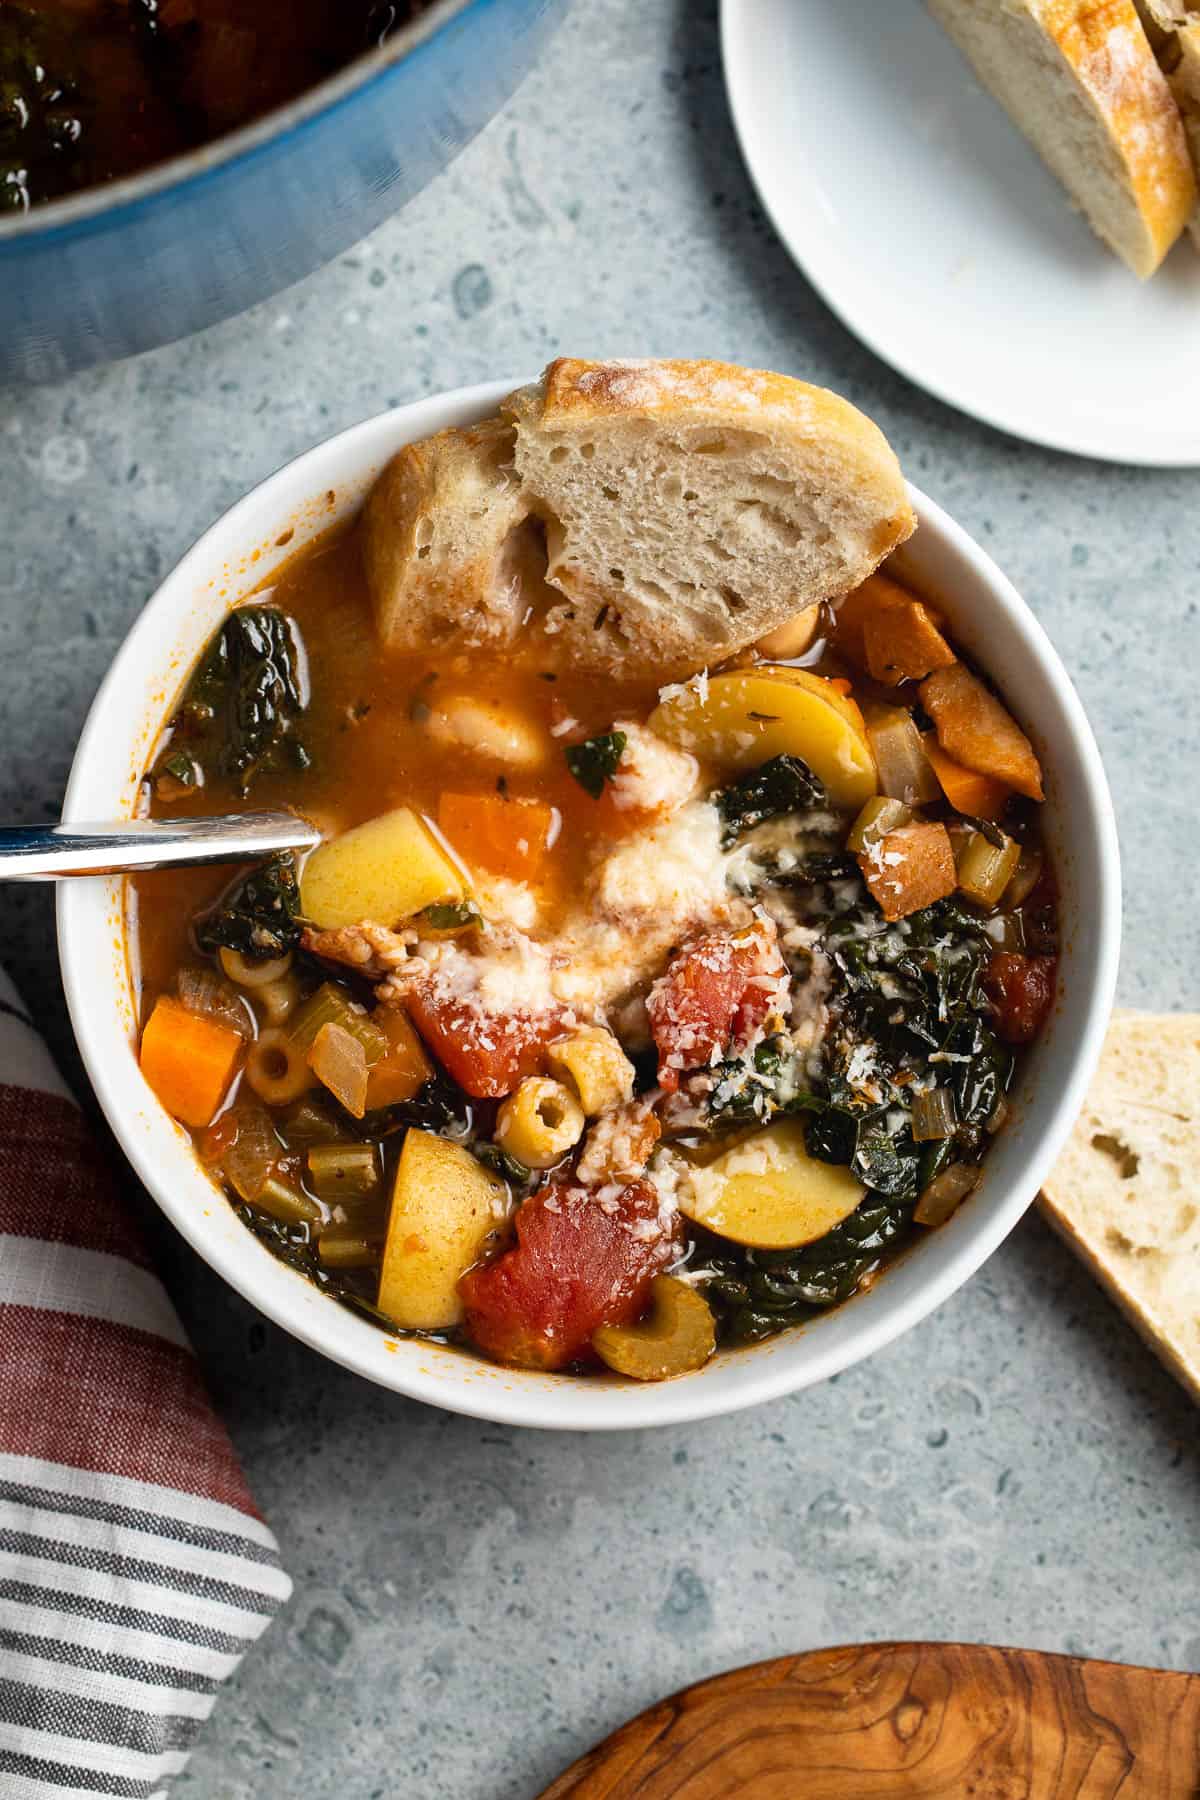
(760, 1292)
(595, 762)
(240, 710)
(259, 916)
(783, 785)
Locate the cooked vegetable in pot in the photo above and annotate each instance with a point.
(607, 1025)
(94, 89)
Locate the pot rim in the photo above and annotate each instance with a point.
(98, 204)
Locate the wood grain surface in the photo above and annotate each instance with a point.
(908, 1722)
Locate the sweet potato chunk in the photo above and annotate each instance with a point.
(877, 596)
(902, 643)
(974, 729)
(978, 796)
(909, 868)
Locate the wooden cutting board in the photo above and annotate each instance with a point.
(908, 1722)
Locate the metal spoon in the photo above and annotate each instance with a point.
(49, 852)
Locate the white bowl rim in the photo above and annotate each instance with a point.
(529, 1398)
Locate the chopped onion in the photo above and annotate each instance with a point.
(340, 1062)
(946, 1193)
(205, 993)
(248, 1162)
(878, 816)
(905, 772)
(1028, 874)
(933, 1115)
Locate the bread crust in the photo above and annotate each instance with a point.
(1106, 50)
(744, 498)
(1128, 1243)
(434, 533)
(673, 616)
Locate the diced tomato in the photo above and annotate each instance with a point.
(578, 1263)
(487, 1053)
(714, 998)
(1021, 989)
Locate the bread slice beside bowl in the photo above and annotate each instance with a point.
(1123, 1191)
(1079, 78)
(683, 510)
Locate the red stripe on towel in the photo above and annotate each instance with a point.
(103, 1397)
(54, 1184)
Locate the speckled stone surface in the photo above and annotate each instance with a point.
(475, 1606)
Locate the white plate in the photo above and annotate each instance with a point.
(932, 229)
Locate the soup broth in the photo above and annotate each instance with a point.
(736, 1069)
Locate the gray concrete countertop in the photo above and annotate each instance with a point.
(475, 1606)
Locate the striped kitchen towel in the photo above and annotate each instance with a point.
(134, 1569)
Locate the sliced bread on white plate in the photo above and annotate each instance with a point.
(1174, 30)
(1124, 1192)
(1080, 79)
(637, 515)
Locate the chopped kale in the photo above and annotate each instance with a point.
(501, 1163)
(595, 762)
(783, 785)
(238, 718)
(259, 916)
(832, 1135)
(759, 1292)
(452, 915)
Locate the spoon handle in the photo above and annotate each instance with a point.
(49, 852)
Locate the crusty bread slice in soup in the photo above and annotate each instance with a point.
(691, 507)
(686, 509)
(443, 536)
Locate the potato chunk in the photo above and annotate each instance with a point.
(909, 868)
(769, 1193)
(746, 717)
(977, 731)
(383, 871)
(445, 1206)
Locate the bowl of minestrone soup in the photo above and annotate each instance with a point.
(472, 1054)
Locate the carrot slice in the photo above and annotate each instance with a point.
(188, 1060)
(902, 643)
(976, 730)
(509, 837)
(979, 796)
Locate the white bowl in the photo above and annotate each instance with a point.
(237, 554)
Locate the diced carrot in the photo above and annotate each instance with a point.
(909, 869)
(979, 796)
(509, 837)
(404, 1068)
(188, 1060)
(902, 643)
(976, 730)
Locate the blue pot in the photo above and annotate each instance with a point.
(121, 268)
